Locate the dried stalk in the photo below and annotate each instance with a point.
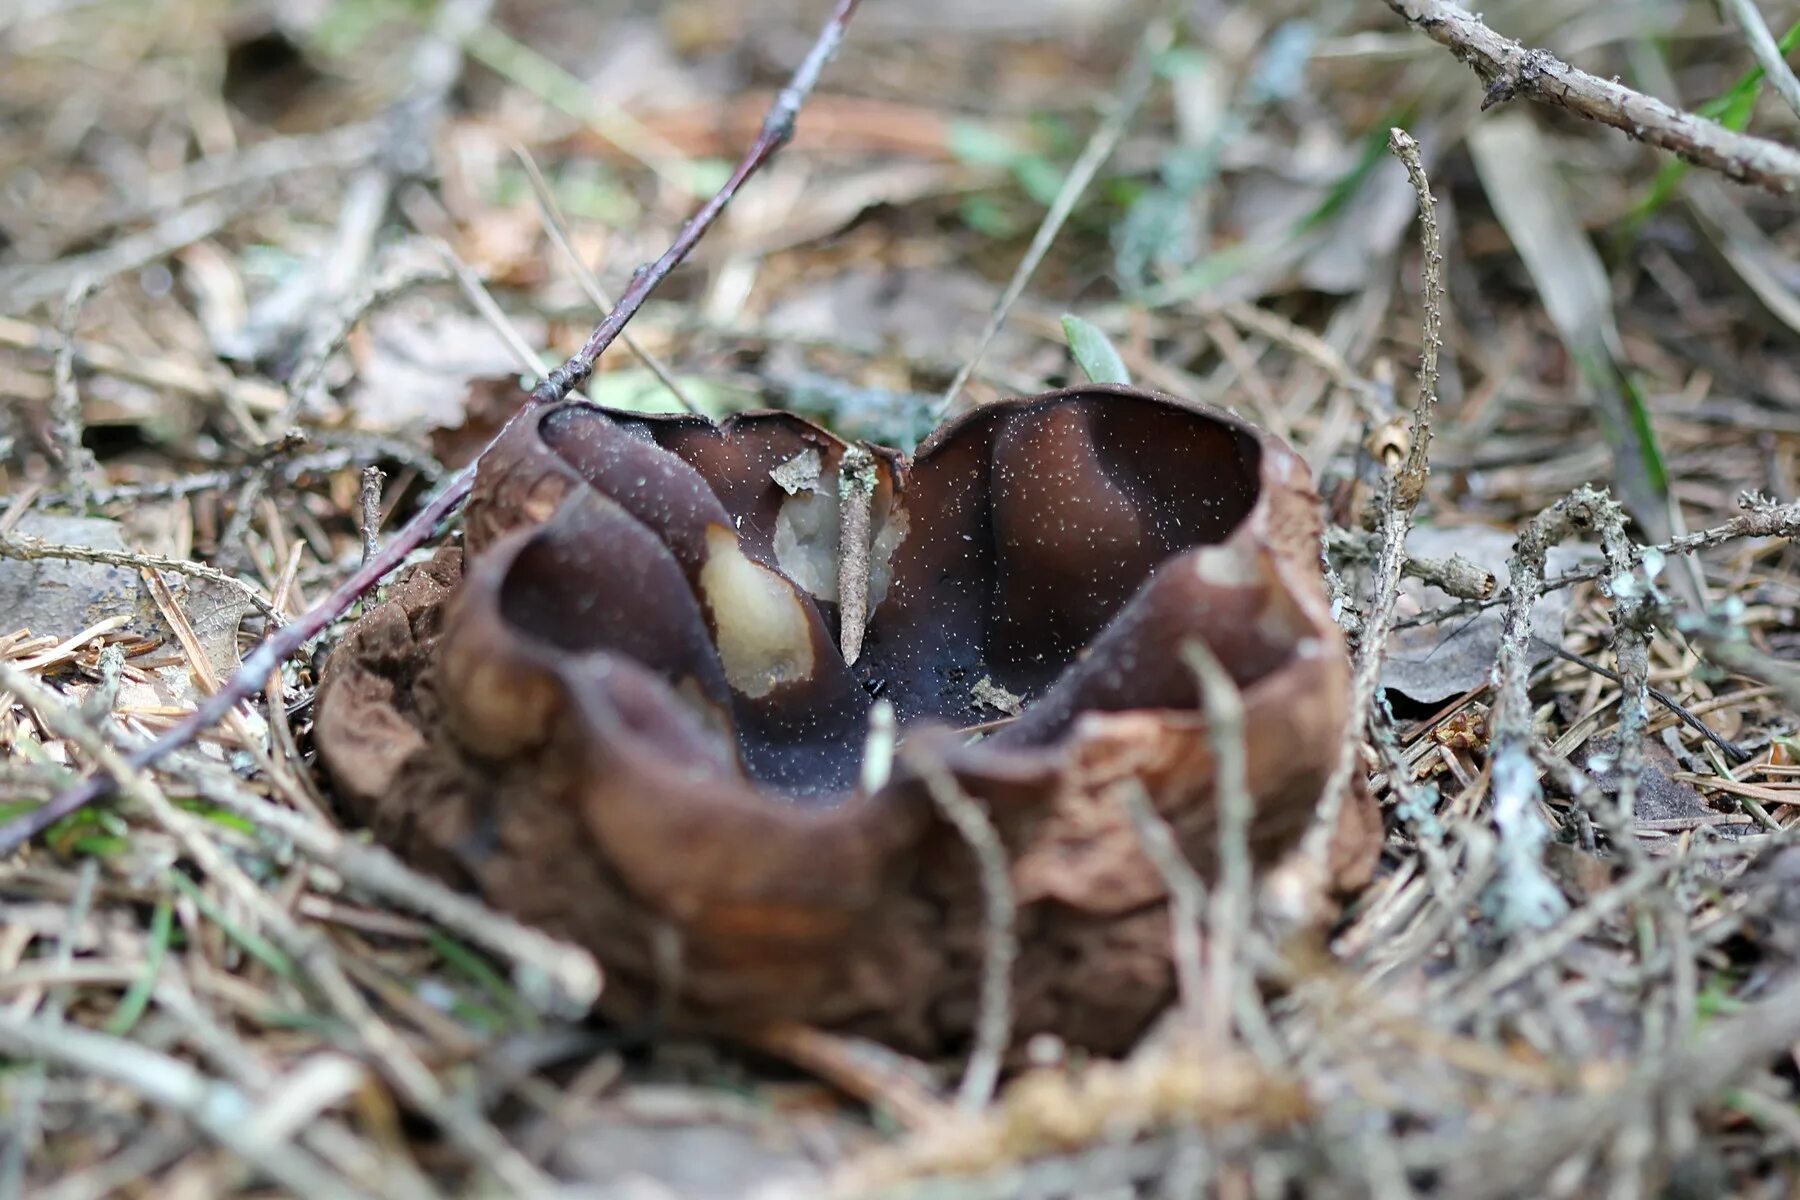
(1399, 497)
(27, 548)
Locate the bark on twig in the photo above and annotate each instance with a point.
(1512, 70)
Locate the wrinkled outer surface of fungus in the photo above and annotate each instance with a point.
(621, 711)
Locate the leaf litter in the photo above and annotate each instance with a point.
(1412, 1043)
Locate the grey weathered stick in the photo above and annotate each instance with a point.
(1187, 897)
(856, 502)
(1232, 898)
(266, 659)
(1398, 498)
(76, 460)
(1512, 70)
(1530, 899)
(370, 498)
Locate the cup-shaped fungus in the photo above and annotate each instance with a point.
(646, 706)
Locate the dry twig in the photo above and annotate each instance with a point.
(1512, 70)
(1400, 495)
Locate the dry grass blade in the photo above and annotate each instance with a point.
(1135, 86)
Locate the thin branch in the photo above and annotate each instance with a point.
(1399, 496)
(266, 659)
(1232, 898)
(1139, 74)
(370, 498)
(1762, 45)
(76, 460)
(1187, 897)
(1512, 70)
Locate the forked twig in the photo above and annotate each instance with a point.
(262, 663)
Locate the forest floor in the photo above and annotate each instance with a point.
(249, 250)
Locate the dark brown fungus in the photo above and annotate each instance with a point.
(621, 711)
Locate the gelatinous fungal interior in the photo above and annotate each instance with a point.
(996, 560)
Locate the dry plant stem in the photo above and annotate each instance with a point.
(559, 235)
(409, 1076)
(1633, 618)
(1000, 942)
(268, 656)
(1749, 21)
(856, 501)
(1396, 503)
(1530, 899)
(1139, 74)
(1512, 70)
(1454, 576)
(25, 547)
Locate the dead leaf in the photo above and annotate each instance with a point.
(1429, 663)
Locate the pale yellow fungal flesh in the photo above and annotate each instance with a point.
(758, 621)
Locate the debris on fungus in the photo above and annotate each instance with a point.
(628, 708)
